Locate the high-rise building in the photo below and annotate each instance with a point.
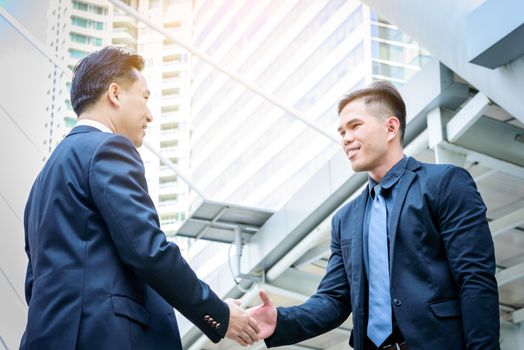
(77, 28)
(167, 70)
(306, 53)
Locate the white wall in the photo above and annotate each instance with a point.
(23, 85)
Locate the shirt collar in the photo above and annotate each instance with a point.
(94, 124)
(391, 176)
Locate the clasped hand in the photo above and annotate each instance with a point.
(248, 326)
(242, 327)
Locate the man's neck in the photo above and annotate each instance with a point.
(381, 171)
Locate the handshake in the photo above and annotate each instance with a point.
(249, 326)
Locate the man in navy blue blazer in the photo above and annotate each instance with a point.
(101, 274)
(412, 256)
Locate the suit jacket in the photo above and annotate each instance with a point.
(442, 268)
(101, 274)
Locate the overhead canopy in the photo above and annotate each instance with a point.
(215, 221)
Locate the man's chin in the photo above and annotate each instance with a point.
(357, 167)
(138, 143)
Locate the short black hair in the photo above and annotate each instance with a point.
(94, 73)
(383, 93)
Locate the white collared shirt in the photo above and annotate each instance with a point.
(94, 124)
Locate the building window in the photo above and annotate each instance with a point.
(168, 179)
(168, 199)
(78, 54)
(168, 144)
(87, 23)
(80, 5)
(86, 39)
(99, 10)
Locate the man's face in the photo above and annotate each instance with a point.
(134, 115)
(364, 136)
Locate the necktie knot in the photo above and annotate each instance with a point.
(377, 190)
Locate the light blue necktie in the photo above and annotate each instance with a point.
(379, 321)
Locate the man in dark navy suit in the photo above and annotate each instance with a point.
(412, 256)
(101, 274)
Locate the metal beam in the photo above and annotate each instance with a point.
(466, 117)
(517, 316)
(507, 222)
(298, 282)
(490, 162)
(510, 274)
(445, 155)
(284, 292)
(435, 128)
(315, 253)
(487, 173)
(504, 41)
(301, 347)
(229, 73)
(4, 345)
(418, 145)
(298, 251)
(496, 139)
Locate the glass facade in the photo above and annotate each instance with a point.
(395, 56)
(306, 53)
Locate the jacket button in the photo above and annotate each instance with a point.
(210, 320)
(397, 302)
(206, 317)
(214, 324)
(218, 325)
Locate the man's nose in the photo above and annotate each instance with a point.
(149, 116)
(348, 137)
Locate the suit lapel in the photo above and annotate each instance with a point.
(358, 276)
(356, 227)
(404, 185)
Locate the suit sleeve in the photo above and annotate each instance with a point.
(324, 311)
(119, 190)
(470, 252)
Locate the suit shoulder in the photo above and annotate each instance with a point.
(439, 170)
(439, 177)
(114, 143)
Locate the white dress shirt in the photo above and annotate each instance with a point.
(94, 124)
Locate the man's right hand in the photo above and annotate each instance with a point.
(265, 314)
(242, 327)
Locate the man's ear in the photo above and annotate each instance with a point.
(113, 92)
(393, 126)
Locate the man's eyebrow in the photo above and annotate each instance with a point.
(349, 122)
